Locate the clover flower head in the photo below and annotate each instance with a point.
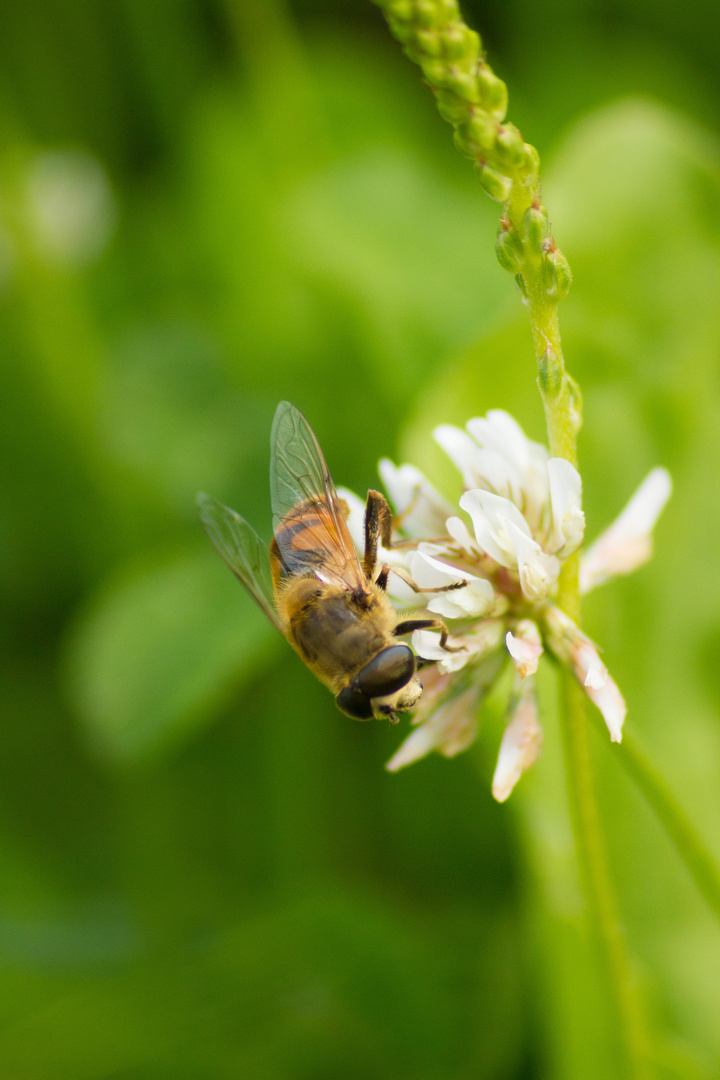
(520, 519)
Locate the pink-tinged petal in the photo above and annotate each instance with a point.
(422, 508)
(521, 743)
(612, 705)
(600, 688)
(627, 543)
(450, 729)
(446, 721)
(580, 654)
(525, 647)
(568, 525)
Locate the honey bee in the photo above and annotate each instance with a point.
(333, 609)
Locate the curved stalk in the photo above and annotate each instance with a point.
(596, 879)
(589, 841)
(678, 827)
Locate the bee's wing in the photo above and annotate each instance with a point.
(242, 549)
(299, 473)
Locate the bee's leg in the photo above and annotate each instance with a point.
(404, 576)
(378, 530)
(409, 625)
(382, 578)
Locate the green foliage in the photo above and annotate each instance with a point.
(205, 870)
(158, 648)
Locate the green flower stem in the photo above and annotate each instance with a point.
(472, 98)
(685, 839)
(590, 846)
(558, 391)
(597, 883)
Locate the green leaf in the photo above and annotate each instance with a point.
(155, 651)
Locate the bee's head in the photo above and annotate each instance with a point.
(385, 686)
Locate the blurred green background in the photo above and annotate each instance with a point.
(207, 206)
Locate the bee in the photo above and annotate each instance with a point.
(332, 608)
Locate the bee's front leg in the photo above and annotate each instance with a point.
(409, 625)
(378, 530)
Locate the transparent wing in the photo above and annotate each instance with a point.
(298, 470)
(301, 485)
(242, 549)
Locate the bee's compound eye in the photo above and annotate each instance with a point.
(387, 672)
(355, 704)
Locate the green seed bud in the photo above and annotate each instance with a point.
(452, 77)
(493, 92)
(529, 165)
(521, 287)
(461, 43)
(427, 13)
(509, 248)
(550, 376)
(452, 108)
(557, 275)
(481, 130)
(428, 43)
(462, 81)
(509, 146)
(474, 138)
(464, 143)
(497, 186)
(536, 228)
(433, 70)
(398, 9)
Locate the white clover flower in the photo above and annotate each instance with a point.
(524, 505)
(523, 520)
